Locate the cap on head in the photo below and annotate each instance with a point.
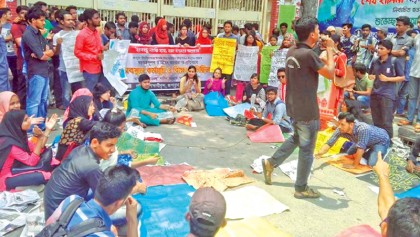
(331, 28)
(383, 29)
(207, 208)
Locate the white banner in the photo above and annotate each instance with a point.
(114, 64)
(278, 60)
(70, 60)
(167, 64)
(246, 62)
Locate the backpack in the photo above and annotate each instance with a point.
(59, 228)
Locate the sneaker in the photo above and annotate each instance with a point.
(308, 193)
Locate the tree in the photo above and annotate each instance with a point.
(309, 8)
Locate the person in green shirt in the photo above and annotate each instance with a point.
(142, 98)
(362, 87)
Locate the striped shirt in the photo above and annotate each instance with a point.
(86, 210)
(364, 135)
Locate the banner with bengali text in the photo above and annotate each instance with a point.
(377, 13)
(223, 55)
(246, 62)
(166, 64)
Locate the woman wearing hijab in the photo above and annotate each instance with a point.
(78, 124)
(79, 92)
(8, 101)
(162, 35)
(16, 151)
(144, 36)
(203, 37)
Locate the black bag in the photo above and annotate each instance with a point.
(59, 228)
(44, 163)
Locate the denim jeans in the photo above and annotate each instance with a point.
(92, 79)
(382, 109)
(413, 98)
(363, 99)
(402, 95)
(371, 155)
(304, 137)
(65, 87)
(37, 99)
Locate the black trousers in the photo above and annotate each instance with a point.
(12, 61)
(382, 112)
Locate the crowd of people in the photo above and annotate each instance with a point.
(386, 71)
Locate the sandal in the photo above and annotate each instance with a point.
(308, 193)
(417, 128)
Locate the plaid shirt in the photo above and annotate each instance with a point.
(364, 135)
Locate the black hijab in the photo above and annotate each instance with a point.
(11, 134)
(79, 107)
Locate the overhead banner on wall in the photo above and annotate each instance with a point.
(166, 64)
(377, 13)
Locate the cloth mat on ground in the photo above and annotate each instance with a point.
(237, 109)
(128, 142)
(358, 231)
(220, 178)
(266, 134)
(251, 201)
(399, 178)
(163, 175)
(340, 161)
(250, 227)
(164, 209)
(411, 193)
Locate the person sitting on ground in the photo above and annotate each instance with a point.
(16, 151)
(368, 139)
(413, 161)
(206, 213)
(190, 91)
(214, 84)
(254, 94)
(78, 125)
(10, 101)
(81, 171)
(362, 88)
(274, 113)
(281, 76)
(142, 98)
(79, 92)
(117, 117)
(400, 218)
(112, 192)
(102, 99)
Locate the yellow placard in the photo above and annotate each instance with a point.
(223, 55)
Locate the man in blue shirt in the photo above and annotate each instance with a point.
(369, 139)
(112, 192)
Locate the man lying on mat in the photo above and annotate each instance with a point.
(368, 139)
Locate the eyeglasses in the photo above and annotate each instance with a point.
(383, 221)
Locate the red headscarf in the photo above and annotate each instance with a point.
(144, 38)
(201, 40)
(161, 35)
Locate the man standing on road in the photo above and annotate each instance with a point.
(303, 67)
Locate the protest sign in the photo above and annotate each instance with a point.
(71, 62)
(246, 62)
(266, 62)
(277, 61)
(114, 64)
(167, 64)
(223, 55)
